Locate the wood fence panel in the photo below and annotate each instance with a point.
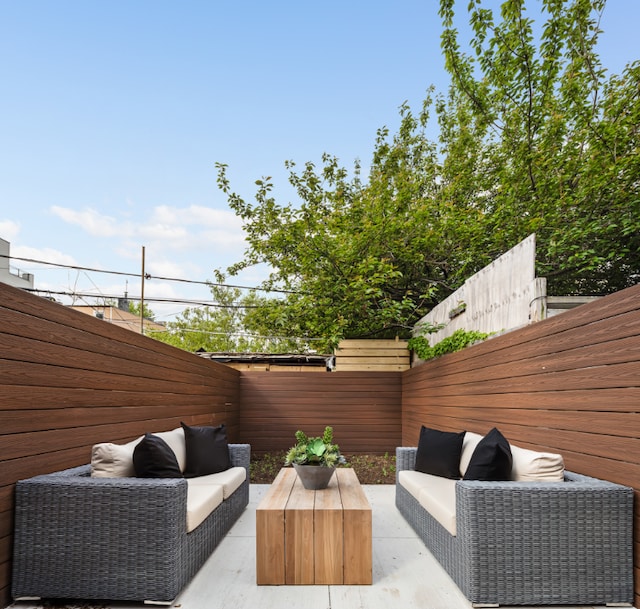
(372, 355)
(569, 384)
(362, 408)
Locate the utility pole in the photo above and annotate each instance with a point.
(142, 295)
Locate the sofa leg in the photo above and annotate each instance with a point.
(163, 603)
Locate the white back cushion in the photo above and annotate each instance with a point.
(113, 460)
(469, 444)
(530, 465)
(116, 460)
(175, 440)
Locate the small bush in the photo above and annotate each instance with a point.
(456, 342)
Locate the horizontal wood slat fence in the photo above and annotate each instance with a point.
(364, 409)
(569, 384)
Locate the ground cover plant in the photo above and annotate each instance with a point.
(370, 469)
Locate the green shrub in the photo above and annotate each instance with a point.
(456, 342)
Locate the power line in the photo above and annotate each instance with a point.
(147, 299)
(149, 276)
(237, 334)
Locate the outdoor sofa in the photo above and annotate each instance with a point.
(99, 531)
(540, 536)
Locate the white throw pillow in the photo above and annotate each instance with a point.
(471, 440)
(531, 466)
(116, 460)
(113, 460)
(175, 440)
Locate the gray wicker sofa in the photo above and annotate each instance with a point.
(529, 543)
(78, 536)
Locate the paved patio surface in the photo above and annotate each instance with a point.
(405, 574)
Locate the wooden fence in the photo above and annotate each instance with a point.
(363, 409)
(569, 384)
(372, 355)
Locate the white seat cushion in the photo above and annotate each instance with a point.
(434, 493)
(201, 501)
(530, 465)
(229, 480)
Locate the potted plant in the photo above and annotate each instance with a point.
(315, 459)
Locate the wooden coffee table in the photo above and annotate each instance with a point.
(314, 537)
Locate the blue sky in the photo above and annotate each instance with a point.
(113, 115)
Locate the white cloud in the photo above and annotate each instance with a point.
(224, 239)
(92, 221)
(196, 215)
(45, 254)
(168, 268)
(196, 228)
(167, 233)
(9, 229)
(172, 228)
(181, 242)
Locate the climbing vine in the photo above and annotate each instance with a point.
(456, 342)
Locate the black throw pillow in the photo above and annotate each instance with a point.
(439, 452)
(491, 460)
(153, 458)
(207, 450)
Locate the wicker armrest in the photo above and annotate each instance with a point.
(405, 458)
(556, 504)
(89, 508)
(240, 455)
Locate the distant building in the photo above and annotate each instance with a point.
(120, 316)
(10, 275)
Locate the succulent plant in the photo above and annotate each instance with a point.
(315, 451)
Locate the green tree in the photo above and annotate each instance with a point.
(541, 140)
(223, 327)
(359, 260)
(533, 137)
(134, 307)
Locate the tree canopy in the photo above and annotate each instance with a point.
(223, 327)
(534, 136)
(216, 328)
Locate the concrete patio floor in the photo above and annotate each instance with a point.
(405, 574)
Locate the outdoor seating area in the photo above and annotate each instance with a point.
(107, 531)
(405, 573)
(102, 532)
(532, 534)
